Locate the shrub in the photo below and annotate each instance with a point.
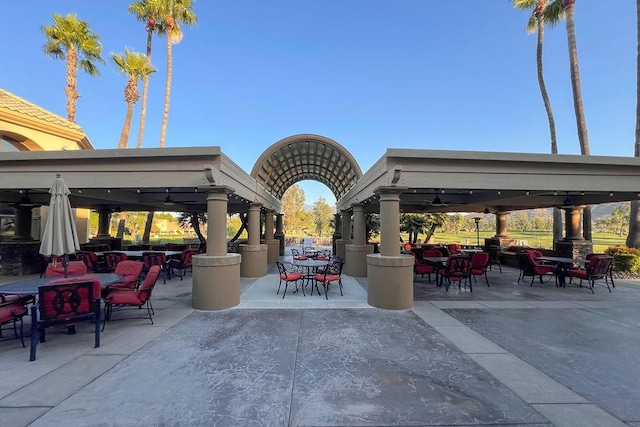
(625, 258)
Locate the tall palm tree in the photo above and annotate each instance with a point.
(147, 11)
(556, 10)
(134, 66)
(536, 23)
(633, 238)
(71, 40)
(175, 14)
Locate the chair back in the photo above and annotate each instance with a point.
(112, 259)
(186, 256)
(599, 266)
(130, 270)
(526, 263)
(429, 253)
(75, 268)
(457, 266)
(479, 260)
(89, 258)
(67, 300)
(296, 255)
(149, 282)
(494, 253)
(97, 286)
(152, 258)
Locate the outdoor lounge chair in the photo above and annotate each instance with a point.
(122, 298)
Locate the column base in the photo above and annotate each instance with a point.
(254, 260)
(574, 248)
(273, 251)
(340, 248)
(390, 281)
(355, 260)
(216, 282)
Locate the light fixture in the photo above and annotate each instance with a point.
(26, 201)
(168, 201)
(568, 203)
(486, 211)
(436, 202)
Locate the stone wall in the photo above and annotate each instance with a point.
(20, 258)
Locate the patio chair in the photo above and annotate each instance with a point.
(597, 269)
(530, 267)
(131, 271)
(111, 260)
(65, 303)
(123, 298)
(422, 269)
(297, 256)
(151, 258)
(479, 263)
(287, 276)
(494, 257)
(610, 275)
(456, 271)
(327, 277)
(75, 268)
(91, 261)
(184, 263)
(12, 312)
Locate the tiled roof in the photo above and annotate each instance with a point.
(18, 105)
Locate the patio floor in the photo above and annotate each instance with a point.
(508, 355)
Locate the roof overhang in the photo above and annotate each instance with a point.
(467, 181)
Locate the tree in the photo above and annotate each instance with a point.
(175, 13)
(194, 221)
(633, 238)
(147, 11)
(135, 67)
(292, 206)
(414, 224)
(71, 40)
(372, 225)
(322, 215)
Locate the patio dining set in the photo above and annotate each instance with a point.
(312, 268)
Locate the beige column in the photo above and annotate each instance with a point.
(216, 274)
(390, 273)
(346, 234)
(279, 234)
(572, 224)
(356, 253)
(273, 245)
(337, 231)
(254, 255)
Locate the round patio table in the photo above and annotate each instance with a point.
(310, 265)
(30, 286)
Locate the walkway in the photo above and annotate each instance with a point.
(507, 354)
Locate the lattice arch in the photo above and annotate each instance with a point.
(306, 157)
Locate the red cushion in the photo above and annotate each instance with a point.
(125, 297)
(300, 258)
(580, 274)
(97, 286)
(291, 276)
(131, 271)
(75, 268)
(10, 311)
(424, 269)
(477, 271)
(328, 278)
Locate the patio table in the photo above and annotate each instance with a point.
(562, 265)
(30, 286)
(310, 265)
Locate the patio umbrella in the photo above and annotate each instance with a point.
(60, 236)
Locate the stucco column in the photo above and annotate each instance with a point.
(390, 273)
(22, 230)
(273, 245)
(346, 234)
(337, 231)
(254, 255)
(103, 222)
(572, 224)
(279, 234)
(356, 252)
(216, 274)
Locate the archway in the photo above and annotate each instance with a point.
(306, 157)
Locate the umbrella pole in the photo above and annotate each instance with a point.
(65, 264)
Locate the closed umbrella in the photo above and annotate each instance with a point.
(60, 236)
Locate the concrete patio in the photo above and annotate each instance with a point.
(509, 355)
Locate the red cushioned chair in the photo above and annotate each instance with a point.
(123, 298)
(327, 277)
(456, 271)
(12, 312)
(184, 263)
(422, 269)
(65, 303)
(151, 258)
(111, 260)
(75, 268)
(286, 277)
(91, 261)
(530, 267)
(597, 269)
(479, 263)
(131, 270)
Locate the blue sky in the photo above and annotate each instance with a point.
(370, 75)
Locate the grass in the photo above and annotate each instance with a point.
(542, 239)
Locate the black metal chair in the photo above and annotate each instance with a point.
(494, 257)
(287, 276)
(333, 274)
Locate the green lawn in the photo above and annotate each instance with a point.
(601, 241)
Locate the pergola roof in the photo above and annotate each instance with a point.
(306, 157)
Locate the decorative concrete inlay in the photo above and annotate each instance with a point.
(578, 416)
(296, 367)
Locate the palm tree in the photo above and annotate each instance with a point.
(633, 238)
(193, 220)
(414, 224)
(147, 11)
(134, 66)
(536, 23)
(175, 14)
(71, 39)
